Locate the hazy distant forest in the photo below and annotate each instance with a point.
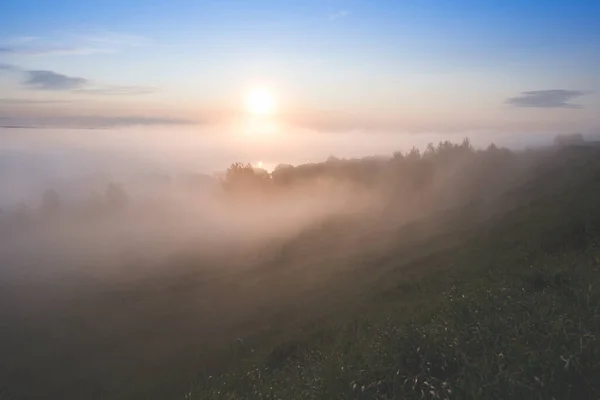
(400, 177)
(410, 177)
(442, 176)
(451, 272)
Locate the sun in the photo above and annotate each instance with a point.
(260, 102)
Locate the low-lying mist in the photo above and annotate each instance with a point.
(110, 283)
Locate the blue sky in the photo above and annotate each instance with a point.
(414, 65)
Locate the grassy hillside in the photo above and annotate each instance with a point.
(491, 292)
(508, 307)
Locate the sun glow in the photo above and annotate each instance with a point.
(260, 102)
(259, 127)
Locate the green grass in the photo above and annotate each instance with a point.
(510, 311)
(518, 331)
(464, 304)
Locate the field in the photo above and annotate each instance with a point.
(510, 310)
(496, 298)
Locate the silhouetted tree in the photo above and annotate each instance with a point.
(569, 140)
(240, 176)
(430, 151)
(283, 174)
(398, 156)
(454, 168)
(414, 154)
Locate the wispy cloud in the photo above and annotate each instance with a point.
(118, 90)
(554, 98)
(9, 67)
(70, 44)
(50, 80)
(89, 122)
(54, 81)
(16, 101)
(116, 40)
(49, 50)
(339, 14)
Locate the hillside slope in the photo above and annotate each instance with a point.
(510, 309)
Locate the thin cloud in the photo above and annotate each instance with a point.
(9, 67)
(554, 98)
(89, 122)
(50, 50)
(116, 40)
(11, 101)
(54, 81)
(339, 14)
(135, 120)
(118, 90)
(70, 45)
(50, 80)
